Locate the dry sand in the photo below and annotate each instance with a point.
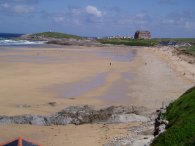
(70, 135)
(29, 78)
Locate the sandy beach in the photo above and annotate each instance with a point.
(46, 80)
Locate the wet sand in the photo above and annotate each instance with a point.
(34, 77)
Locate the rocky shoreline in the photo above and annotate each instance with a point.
(82, 115)
(63, 41)
(150, 123)
(74, 42)
(140, 136)
(143, 134)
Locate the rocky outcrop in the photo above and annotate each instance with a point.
(160, 124)
(74, 42)
(141, 135)
(85, 114)
(151, 124)
(25, 119)
(135, 140)
(82, 115)
(62, 41)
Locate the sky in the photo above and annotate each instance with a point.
(163, 18)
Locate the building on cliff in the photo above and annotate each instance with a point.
(142, 35)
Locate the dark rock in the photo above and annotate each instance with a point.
(5, 120)
(40, 120)
(52, 103)
(22, 119)
(160, 124)
(82, 115)
(79, 115)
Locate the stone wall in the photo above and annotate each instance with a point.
(142, 35)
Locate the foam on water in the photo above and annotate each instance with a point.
(10, 42)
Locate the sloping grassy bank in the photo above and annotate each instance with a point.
(188, 50)
(179, 40)
(181, 128)
(129, 42)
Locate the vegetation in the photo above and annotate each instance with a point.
(184, 49)
(188, 50)
(55, 35)
(181, 117)
(142, 42)
(129, 42)
(180, 40)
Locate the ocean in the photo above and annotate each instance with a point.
(8, 39)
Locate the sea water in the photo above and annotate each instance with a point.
(9, 40)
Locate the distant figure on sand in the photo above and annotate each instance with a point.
(110, 63)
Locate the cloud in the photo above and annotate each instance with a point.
(184, 20)
(59, 18)
(92, 10)
(141, 20)
(114, 17)
(77, 16)
(15, 7)
(20, 1)
(190, 25)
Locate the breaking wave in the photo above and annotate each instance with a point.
(9, 42)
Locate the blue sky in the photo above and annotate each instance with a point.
(164, 18)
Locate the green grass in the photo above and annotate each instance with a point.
(129, 42)
(181, 117)
(188, 50)
(150, 42)
(56, 35)
(177, 39)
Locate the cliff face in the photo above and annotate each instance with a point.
(142, 35)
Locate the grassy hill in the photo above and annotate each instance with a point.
(181, 117)
(55, 35)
